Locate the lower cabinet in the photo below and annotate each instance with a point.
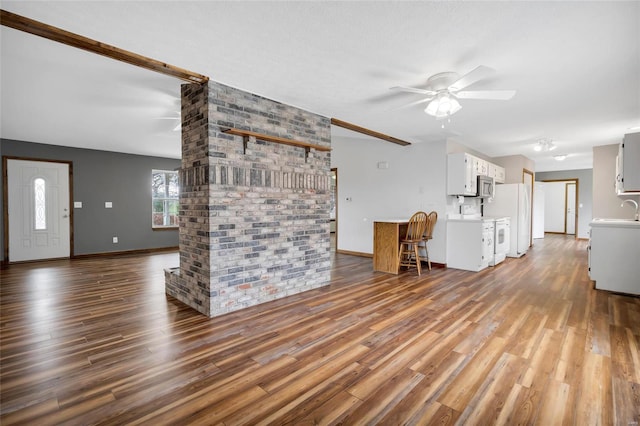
(470, 244)
(614, 256)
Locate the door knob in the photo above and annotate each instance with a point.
(65, 215)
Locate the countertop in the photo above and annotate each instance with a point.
(473, 218)
(615, 223)
(392, 220)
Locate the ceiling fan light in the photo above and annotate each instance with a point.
(538, 147)
(432, 108)
(552, 146)
(443, 106)
(455, 106)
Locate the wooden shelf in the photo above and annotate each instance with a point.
(277, 139)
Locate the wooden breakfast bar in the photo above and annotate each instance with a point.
(386, 244)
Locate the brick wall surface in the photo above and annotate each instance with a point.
(254, 223)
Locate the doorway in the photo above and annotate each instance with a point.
(37, 214)
(570, 210)
(333, 209)
(561, 206)
(527, 179)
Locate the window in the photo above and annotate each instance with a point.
(165, 203)
(40, 204)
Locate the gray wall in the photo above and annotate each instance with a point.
(100, 176)
(585, 194)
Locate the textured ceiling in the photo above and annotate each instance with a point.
(575, 66)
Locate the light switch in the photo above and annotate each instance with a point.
(108, 205)
(77, 204)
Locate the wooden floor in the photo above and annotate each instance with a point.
(527, 342)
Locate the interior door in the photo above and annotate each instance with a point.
(570, 204)
(554, 207)
(38, 210)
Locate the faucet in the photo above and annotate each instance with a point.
(635, 204)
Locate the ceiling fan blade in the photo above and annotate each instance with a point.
(413, 90)
(421, 101)
(478, 73)
(498, 95)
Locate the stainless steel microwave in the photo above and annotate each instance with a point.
(485, 186)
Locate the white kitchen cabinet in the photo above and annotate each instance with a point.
(628, 165)
(482, 167)
(470, 244)
(614, 250)
(461, 174)
(463, 170)
(497, 173)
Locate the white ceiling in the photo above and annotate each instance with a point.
(575, 66)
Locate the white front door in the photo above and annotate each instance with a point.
(38, 207)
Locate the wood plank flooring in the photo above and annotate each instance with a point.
(96, 341)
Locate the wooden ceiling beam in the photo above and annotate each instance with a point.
(368, 132)
(49, 32)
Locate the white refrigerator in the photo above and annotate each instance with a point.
(513, 200)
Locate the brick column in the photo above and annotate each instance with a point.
(254, 225)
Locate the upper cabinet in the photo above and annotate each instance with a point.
(497, 173)
(463, 170)
(462, 174)
(482, 167)
(628, 165)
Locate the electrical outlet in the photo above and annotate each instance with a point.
(115, 240)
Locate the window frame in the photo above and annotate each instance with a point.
(166, 200)
(37, 226)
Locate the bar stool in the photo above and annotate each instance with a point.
(432, 218)
(408, 254)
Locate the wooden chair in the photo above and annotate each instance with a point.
(408, 254)
(432, 218)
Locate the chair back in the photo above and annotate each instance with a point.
(417, 225)
(432, 218)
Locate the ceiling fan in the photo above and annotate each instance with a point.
(444, 89)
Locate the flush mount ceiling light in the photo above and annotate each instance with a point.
(560, 157)
(545, 145)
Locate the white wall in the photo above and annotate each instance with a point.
(415, 180)
(538, 210)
